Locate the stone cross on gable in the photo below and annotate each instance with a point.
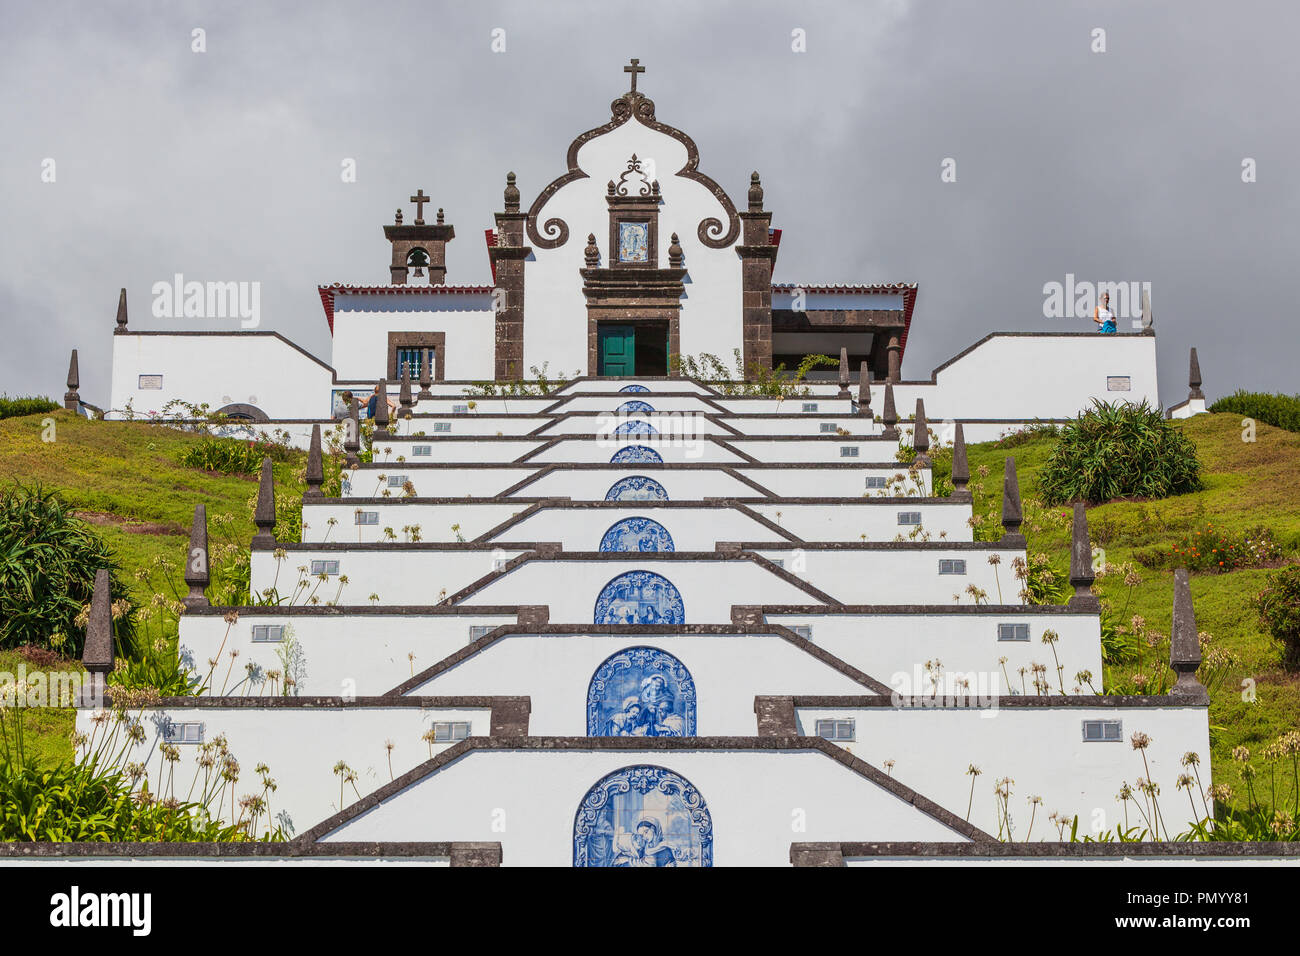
(634, 69)
(420, 199)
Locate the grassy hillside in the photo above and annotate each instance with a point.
(1247, 484)
(126, 477)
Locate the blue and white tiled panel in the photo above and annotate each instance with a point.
(663, 685)
(639, 527)
(418, 575)
(641, 589)
(968, 644)
(882, 574)
(375, 652)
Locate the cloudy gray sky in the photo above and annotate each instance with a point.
(225, 165)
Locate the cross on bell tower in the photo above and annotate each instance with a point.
(634, 69)
(420, 199)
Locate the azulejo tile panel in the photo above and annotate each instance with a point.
(639, 597)
(636, 488)
(632, 407)
(635, 427)
(643, 816)
(634, 388)
(641, 692)
(636, 454)
(637, 534)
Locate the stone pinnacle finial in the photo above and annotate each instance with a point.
(264, 514)
(381, 432)
(315, 467)
(675, 255)
(71, 400)
(591, 255)
(97, 654)
(844, 375)
(890, 415)
(755, 193)
(1185, 644)
(197, 575)
(1194, 377)
(404, 399)
(1012, 516)
(864, 391)
(440, 220)
(512, 194)
(960, 467)
(1081, 573)
(121, 313)
(921, 434)
(352, 438)
(426, 373)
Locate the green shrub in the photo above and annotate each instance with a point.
(1119, 451)
(1280, 411)
(48, 560)
(752, 380)
(1278, 605)
(232, 456)
(13, 407)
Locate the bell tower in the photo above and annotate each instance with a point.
(419, 248)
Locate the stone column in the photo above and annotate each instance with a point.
(757, 258)
(507, 258)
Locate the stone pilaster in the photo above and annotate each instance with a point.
(1012, 515)
(1081, 573)
(757, 259)
(507, 258)
(197, 572)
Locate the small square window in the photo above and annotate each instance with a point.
(396, 481)
(838, 730)
(450, 731)
(1013, 632)
(366, 517)
(268, 633)
(421, 451)
(1103, 731)
(803, 630)
(185, 732)
(478, 631)
(952, 566)
(828, 428)
(441, 427)
(460, 409)
(909, 517)
(325, 567)
(877, 481)
(810, 406)
(1119, 383)
(849, 451)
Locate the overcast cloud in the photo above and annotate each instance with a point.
(225, 165)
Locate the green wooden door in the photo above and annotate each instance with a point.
(617, 350)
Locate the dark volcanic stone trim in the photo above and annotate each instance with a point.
(642, 744)
(809, 854)
(460, 854)
(355, 610)
(626, 466)
(907, 610)
(510, 707)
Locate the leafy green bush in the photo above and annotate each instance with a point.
(48, 560)
(13, 407)
(1278, 605)
(1281, 411)
(1209, 549)
(1119, 451)
(233, 456)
